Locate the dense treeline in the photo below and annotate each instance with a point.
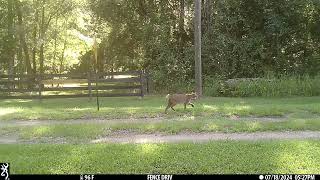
(41, 35)
(241, 38)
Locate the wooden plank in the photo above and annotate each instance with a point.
(79, 76)
(64, 81)
(93, 88)
(118, 87)
(69, 96)
(87, 95)
(135, 73)
(119, 95)
(120, 80)
(64, 96)
(71, 88)
(17, 75)
(64, 88)
(19, 97)
(16, 81)
(18, 90)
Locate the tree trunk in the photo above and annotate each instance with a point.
(62, 55)
(21, 66)
(22, 38)
(198, 67)
(10, 39)
(55, 49)
(207, 14)
(181, 29)
(42, 40)
(34, 49)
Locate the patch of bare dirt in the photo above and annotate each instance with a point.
(205, 137)
(48, 140)
(8, 139)
(127, 120)
(134, 137)
(76, 121)
(259, 118)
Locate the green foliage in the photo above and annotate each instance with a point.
(60, 25)
(266, 87)
(241, 39)
(248, 38)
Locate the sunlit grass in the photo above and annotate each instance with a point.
(221, 157)
(153, 106)
(8, 111)
(85, 132)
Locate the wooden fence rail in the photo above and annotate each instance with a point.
(18, 86)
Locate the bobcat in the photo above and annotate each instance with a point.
(174, 99)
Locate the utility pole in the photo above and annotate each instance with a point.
(95, 57)
(197, 43)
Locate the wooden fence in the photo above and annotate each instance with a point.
(133, 83)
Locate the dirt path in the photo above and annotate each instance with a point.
(128, 120)
(133, 137)
(130, 137)
(205, 137)
(77, 121)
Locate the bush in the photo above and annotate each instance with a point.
(266, 87)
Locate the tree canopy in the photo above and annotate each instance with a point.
(241, 38)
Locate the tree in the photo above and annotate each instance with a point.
(22, 32)
(198, 64)
(10, 38)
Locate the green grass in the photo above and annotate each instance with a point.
(86, 132)
(221, 157)
(152, 106)
(209, 115)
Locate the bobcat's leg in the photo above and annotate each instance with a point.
(191, 104)
(172, 105)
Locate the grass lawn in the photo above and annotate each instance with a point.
(209, 115)
(85, 132)
(153, 106)
(267, 157)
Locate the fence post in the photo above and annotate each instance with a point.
(89, 85)
(40, 85)
(147, 81)
(141, 84)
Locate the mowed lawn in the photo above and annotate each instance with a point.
(211, 114)
(153, 106)
(220, 157)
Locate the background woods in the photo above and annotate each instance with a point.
(241, 39)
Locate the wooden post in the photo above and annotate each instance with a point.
(198, 70)
(89, 85)
(147, 81)
(40, 85)
(141, 84)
